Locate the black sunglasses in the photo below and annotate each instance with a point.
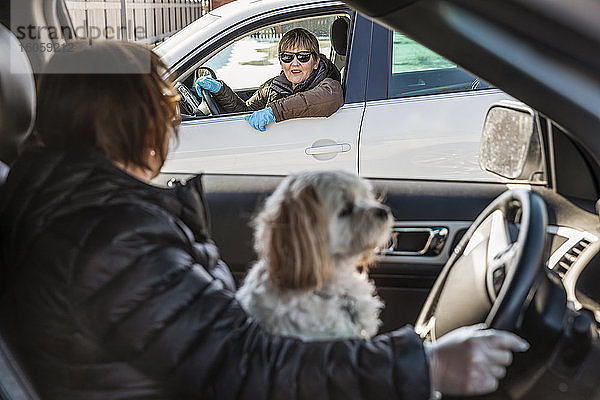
(302, 56)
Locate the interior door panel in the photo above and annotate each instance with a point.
(233, 200)
(402, 281)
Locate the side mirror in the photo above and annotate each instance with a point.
(510, 142)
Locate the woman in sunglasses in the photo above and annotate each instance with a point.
(308, 85)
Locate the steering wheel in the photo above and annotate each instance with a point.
(208, 97)
(492, 271)
(189, 104)
(211, 103)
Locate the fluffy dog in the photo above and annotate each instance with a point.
(312, 234)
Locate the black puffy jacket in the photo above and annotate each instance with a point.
(116, 293)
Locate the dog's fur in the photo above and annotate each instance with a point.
(313, 232)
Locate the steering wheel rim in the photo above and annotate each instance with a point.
(189, 105)
(524, 259)
(208, 97)
(211, 103)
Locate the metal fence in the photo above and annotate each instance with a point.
(319, 26)
(147, 21)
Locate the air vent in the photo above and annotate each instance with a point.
(569, 258)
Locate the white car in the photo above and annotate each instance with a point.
(408, 112)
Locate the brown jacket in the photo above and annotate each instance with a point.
(319, 96)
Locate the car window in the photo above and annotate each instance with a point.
(417, 71)
(252, 60)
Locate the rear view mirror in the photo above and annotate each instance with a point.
(510, 143)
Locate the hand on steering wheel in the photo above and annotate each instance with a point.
(205, 87)
(208, 83)
(471, 360)
(489, 278)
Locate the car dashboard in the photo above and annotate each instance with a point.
(574, 256)
(574, 251)
(573, 261)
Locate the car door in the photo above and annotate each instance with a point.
(424, 114)
(228, 144)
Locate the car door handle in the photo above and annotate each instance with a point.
(327, 149)
(426, 241)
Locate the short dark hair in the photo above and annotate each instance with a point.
(121, 115)
(299, 37)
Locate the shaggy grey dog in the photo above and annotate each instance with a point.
(313, 233)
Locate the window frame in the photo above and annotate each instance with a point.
(210, 47)
(439, 72)
(265, 27)
(184, 68)
(380, 69)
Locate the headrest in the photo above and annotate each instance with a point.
(339, 35)
(17, 96)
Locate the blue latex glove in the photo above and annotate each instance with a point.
(208, 83)
(261, 118)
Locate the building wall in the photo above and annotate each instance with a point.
(146, 21)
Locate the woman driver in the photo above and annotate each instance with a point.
(308, 85)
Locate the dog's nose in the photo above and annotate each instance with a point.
(382, 212)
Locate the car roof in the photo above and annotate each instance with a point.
(543, 52)
(213, 23)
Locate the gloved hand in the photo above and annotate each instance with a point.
(471, 360)
(208, 83)
(261, 118)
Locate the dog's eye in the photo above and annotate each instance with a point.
(347, 210)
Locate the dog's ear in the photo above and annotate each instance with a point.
(294, 239)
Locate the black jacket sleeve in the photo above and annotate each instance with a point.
(162, 311)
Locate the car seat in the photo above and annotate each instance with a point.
(17, 97)
(339, 42)
(17, 110)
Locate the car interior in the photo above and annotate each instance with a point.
(539, 243)
(193, 107)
